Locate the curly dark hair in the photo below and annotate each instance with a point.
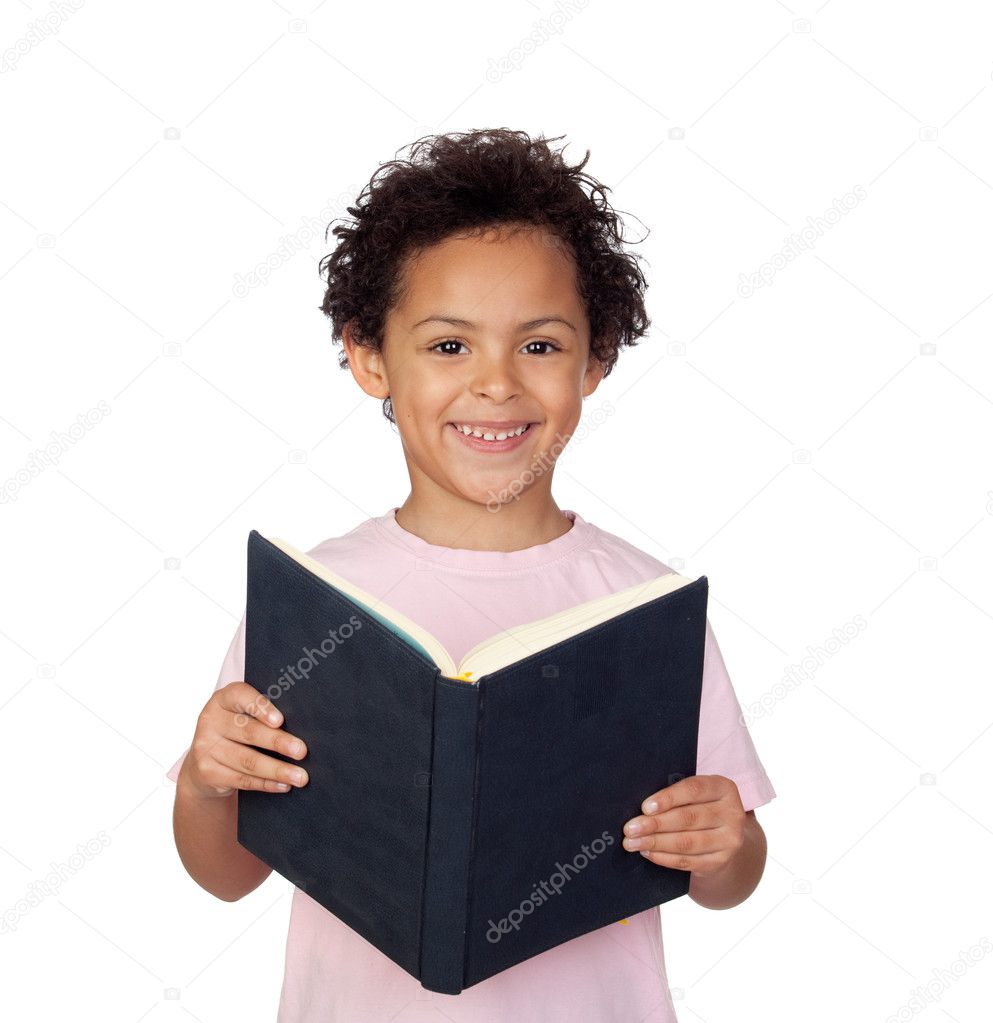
(464, 182)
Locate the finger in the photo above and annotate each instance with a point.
(244, 705)
(698, 864)
(218, 776)
(690, 843)
(248, 731)
(241, 698)
(700, 788)
(225, 781)
(251, 767)
(691, 817)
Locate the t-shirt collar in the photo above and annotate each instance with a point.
(464, 559)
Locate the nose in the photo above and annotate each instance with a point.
(494, 376)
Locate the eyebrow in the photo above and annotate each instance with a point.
(454, 321)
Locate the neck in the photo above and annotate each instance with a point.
(447, 520)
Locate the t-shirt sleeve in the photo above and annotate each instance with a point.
(232, 670)
(724, 745)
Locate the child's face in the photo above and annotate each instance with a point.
(498, 366)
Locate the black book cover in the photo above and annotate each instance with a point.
(463, 827)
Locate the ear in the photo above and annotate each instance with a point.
(367, 364)
(592, 376)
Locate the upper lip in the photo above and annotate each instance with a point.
(496, 424)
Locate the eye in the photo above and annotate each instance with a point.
(455, 341)
(447, 341)
(550, 344)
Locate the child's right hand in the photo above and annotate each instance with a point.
(221, 759)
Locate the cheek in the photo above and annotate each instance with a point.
(561, 396)
(425, 393)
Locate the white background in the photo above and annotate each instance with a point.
(819, 448)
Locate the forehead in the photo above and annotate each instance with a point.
(497, 274)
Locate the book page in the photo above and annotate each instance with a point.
(394, 620)
(497, 651)
(525, 640)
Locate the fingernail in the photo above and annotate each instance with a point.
(296, 748)
(632, 827)
(300, 777)
(651, 806)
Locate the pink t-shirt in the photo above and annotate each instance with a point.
(616, 973)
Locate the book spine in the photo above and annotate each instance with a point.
(444, 915)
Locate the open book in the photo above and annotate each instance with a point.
(506, 647)
(466, 817)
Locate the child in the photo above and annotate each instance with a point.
(482, 294)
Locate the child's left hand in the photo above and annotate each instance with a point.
(697, 825)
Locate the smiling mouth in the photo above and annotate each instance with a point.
(492, 434)
(483, 440)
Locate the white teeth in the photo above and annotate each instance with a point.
(483, 434)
